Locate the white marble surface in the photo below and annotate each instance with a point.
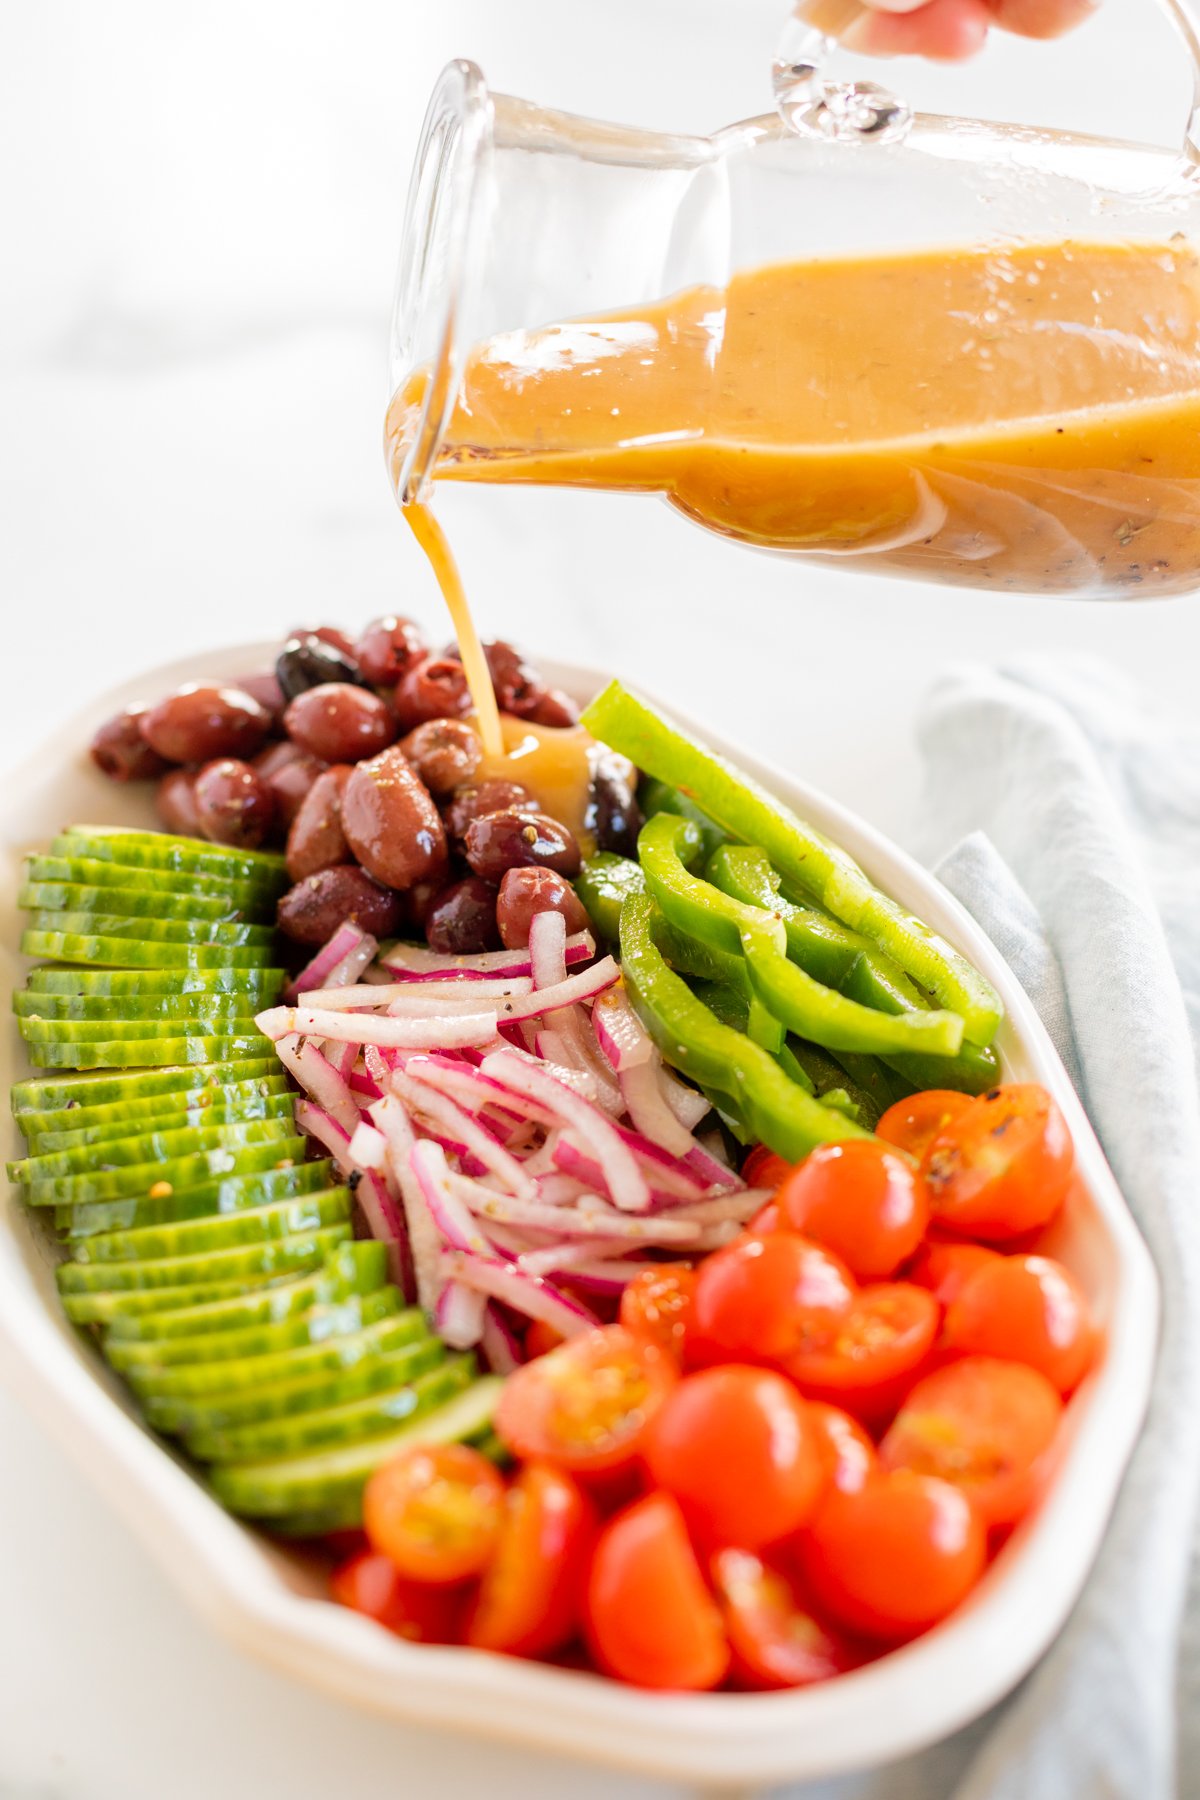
(199, 214)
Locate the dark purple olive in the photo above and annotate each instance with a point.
(444, 752)
(613, 815)
(554, 708)
(462, 920)
(526, 892)
(289, 772)
(264, 687)
(316, 839)
(391, 822)
(175, 803)
(435, 688)
(200, 721)
(518, 685)
(474, 801)
(311, 912)
(388, 648)
(338, 722)
(308, 662)
(327, 634)
(122, 753)
(234, 804)
(514, 840)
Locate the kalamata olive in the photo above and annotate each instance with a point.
(327, 634)
(420, 899)
(473, 801)
(462, 920)
(199, 722)
(388, 648)
(554, 707)
(613, 814)
(120, 750)
(264, 687)
(234, 804)
(175, 803)
(520, 839)
(308, 662)
(311, 911)
(435, 688)
(316, 839)
(340, 723)
(289, 772)
(391, 822)
(524, 892)
(444, 752)
(518, 685)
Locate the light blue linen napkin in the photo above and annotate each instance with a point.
(1075, 806)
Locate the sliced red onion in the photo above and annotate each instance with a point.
(601, 1221)
(411, 962)
(368, 1147)
(567, 1257)
(453, 1220)
(341, 1057)
(606, 1277)
(375, 996)
(459, 1316)
(319, 1079)
(624, 1180)
(361, 1083)
(703, 1171)
(664, 1190)
(536, 1299)
(687, 1103)
(583, 986)
(649, 1111)
(427, 1098)
(363, 1028)
(502, 1348)
(315, 1122)
(559, 1190)
(425, 1240)
(548, 949)
(347, 942)
(622, 1037)
(378, 1207)
(739, 1207)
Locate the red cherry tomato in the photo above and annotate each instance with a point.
(862, 1200)
(530, 1599)
(868, 1358)
(776, 1641)
(650, 1617)
(369, 1583)
(892, 1558)
(541, 1338)
(657, 1305)
(1030, 1310)
(849, 1454)
(1002, 1166)
(763, 1169)
(984, 1425)
(435, 1511)
(769, 1297)
(944, 1268)
(912, 1124)
(736, 1449)
(586, 1406)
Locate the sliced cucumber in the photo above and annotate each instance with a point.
(128, 953)
(159, 850)
(149, 1147)
(85, 871)
(115, 1030)
(330, 1478)
(225, 1109)
(142, 1053)
(255, 1374)
(354, 1269)
(151, 1010)
(44, 1096)
(317, 1389)
(209, 932)
(311, 1327)
(229, 1194)
(108, 1306)
(130, 902)
(157, 1180)
(306, 1250)
(141, 984)
(353, 1423)
(191, 1237)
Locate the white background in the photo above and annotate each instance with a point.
(198, 217)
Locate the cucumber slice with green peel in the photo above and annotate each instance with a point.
(230, 1194)
(191, 1237)
(230, 1411)
(331, 1426)
(209, 932)
(85, 871)
(43, 1095)
(254, 1374)
(151, 1010)
(129, 902)
(138, 984)
(160, 850)
(278, 1104)
(149, 1147)
(358, 1268)
(115, 1030)
(108, 1306)
(142, 1053)
(311, 1327)
(128, 953)
(158, 1180)
(306, 1250)
(271, 1489)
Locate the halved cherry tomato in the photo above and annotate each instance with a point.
(767, 1219)
(776, 1641)
(541, 1338)
(735, 1447)
(873, 1350)
(370, 1583)
(1030, 1310)
(530, 1599)
(913, 1124)
(863, 1201)
(657, 1304)
(1002, 1166)
(586, 1406)
(895, 1556)
(763, 1169)
(984, 1425)
(435, 1511)
(769, 1297)
(944, 1268)
(849, 1454)
(650, 1617)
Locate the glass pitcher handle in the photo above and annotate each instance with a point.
(863, 110)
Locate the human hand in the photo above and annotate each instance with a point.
(946, 30)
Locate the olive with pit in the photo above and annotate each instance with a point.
(435, 688)
(556, 708)
(388, 648)
(234, 805)
(473, 802)
(340, 723)
(122, 753)
(289, 772)
(391, 822)
(462, 920)
(175, 803)
(520, 839)
(518, 685)
(308, 662)
(444, 752)
(316, 839)
(311, 911)
(199, 722)
(526, 892)
(613, 816)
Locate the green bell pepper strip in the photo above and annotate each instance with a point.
(732, 1008)
(851, 963)
(602, 884)
(693, 1040)
(805, 1006)
(877, 1079)
(749, 813)
(656, 797)
(830, 1082)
